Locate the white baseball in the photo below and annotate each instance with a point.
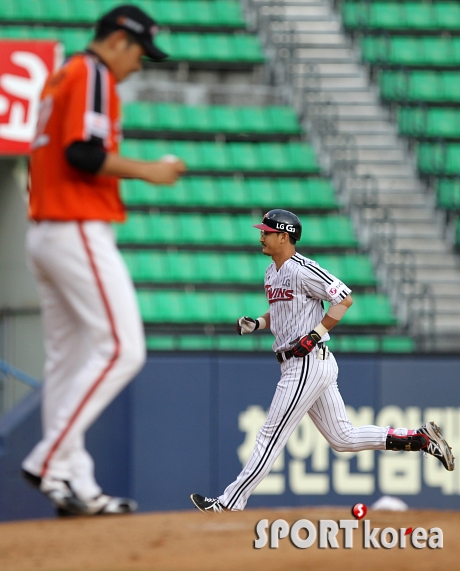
(169, 159)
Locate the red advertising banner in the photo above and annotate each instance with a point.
(24, 67)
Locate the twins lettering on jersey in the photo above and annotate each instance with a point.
(278, 294)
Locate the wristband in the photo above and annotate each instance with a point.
(321, 330)
(262, 323)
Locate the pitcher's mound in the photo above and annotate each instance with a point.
(192, 541)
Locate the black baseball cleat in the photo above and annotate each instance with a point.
(33, 480)
(207, 505)
(102, 505)
(437, 445)
(67, 503)
(58, 492)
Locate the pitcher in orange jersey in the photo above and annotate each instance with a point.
(94, 337)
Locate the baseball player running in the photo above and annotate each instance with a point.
(296, 288)
(94, 337)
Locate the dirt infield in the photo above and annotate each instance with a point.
(191, 541)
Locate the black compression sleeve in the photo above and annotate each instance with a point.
(87, 156)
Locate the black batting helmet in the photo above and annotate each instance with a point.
(281, 221)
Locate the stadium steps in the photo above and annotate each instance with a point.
(333, 81)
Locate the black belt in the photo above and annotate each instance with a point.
(286, 355)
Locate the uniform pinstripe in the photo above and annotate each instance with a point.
(308, 385)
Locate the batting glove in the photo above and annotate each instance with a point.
(246, 325)
(305, 345)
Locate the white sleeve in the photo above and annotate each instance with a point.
(318, 283)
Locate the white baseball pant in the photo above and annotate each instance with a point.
(94, 342)
(307, 385)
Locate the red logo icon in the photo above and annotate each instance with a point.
(359, 511)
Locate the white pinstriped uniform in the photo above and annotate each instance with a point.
(308, 385)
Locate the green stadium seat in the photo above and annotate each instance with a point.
(223, 229)
(283, 120)
(206, 155)
(448, 194)
(204, 13)
(229, 267)
(338, 343)
(443, 159)
(433, 122)
(195, 343)
(301, 194)
(419, 15)
(180, 46)
(440, 52)
(447, 15)
(8, 10)
(161, 343)
(414, 16)
(352, 14)
(169, 11)
(247, 48)
(428, 51)
(354, 344)
(158, 306)
(429, 86)
(398, 344)
(371, 310)
(385, 15)
(243, 156)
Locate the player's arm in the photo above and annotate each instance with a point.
(334, 314)
(155, 172)
(247, 324)
(90, 156)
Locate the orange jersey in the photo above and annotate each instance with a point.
(78, 103)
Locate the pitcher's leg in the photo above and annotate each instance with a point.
(101, 295)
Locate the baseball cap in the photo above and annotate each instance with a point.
(139, 24)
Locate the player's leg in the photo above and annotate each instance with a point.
(94, 281)
(66, 347)
(301, 383)
(330, 417)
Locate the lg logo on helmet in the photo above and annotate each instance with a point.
(287, 227)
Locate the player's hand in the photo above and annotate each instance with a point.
(306, 344)
(246, 325)
(164, 172)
